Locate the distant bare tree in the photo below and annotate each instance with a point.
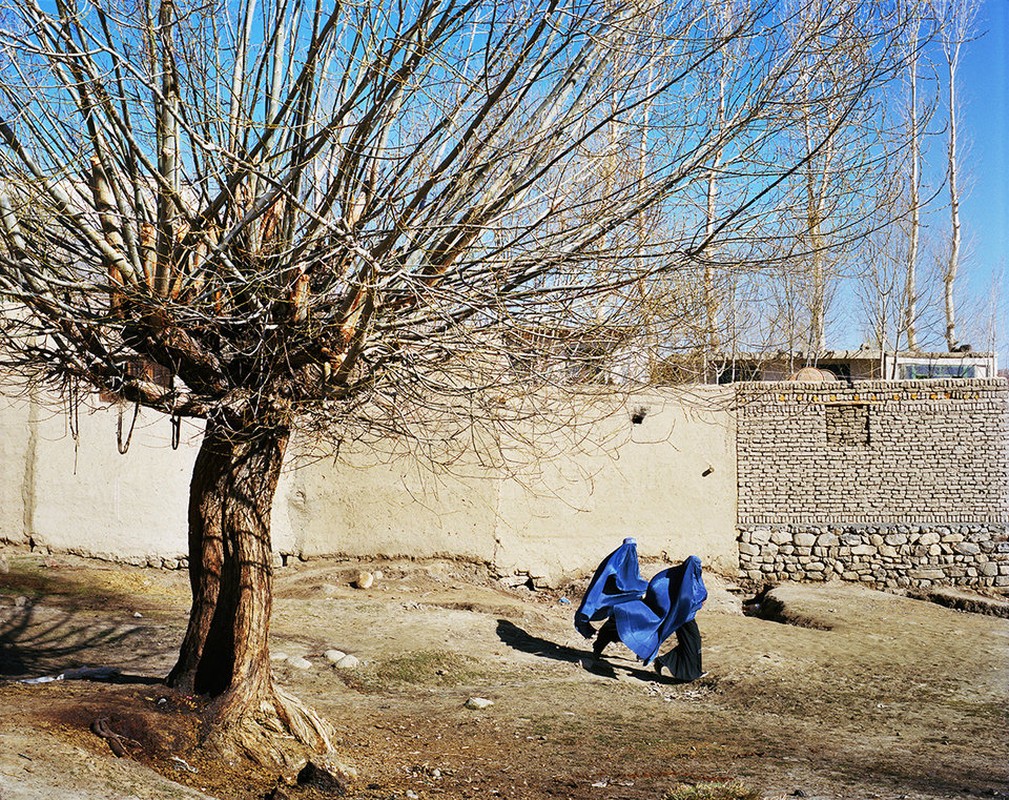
(919, 113)
(883, 280)
(956, 28)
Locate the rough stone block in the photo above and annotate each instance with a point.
(927, 574)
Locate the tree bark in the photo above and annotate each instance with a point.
(225, 652)
(953, 265)
(911, 280)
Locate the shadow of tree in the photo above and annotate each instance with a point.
(59, 629)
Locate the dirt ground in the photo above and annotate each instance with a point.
(850, 694)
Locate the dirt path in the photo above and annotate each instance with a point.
(864, 695)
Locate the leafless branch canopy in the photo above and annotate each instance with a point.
(301, 208)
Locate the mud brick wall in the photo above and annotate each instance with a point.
(897, 484)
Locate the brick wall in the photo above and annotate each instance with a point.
(898, 484)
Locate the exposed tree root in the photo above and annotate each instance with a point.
(280, 732)
(304, 724)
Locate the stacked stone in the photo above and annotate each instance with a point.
(876, 451)
(895, 484)
(892, 557)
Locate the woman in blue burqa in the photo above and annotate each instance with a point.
(643, 614)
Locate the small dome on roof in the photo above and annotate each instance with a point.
(813, 375)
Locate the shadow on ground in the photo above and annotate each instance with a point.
(48, 627)
(518, 639)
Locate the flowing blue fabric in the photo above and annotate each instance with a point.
(671, 600)
(617, 581)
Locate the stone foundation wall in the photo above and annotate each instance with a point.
(894, 484)
(895, 557)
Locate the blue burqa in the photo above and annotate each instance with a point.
(672, 599)
(617, 581)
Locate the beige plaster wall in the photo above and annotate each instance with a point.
(15, 477)
(366, 506)
(669, 481)
(92, 500)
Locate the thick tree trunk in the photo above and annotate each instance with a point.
(225, 652)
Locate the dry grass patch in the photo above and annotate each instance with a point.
(732, 790)
(417, 668)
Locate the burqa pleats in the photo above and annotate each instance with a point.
(683, 662)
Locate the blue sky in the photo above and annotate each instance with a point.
(984, 89)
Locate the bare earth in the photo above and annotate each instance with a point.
(857, 694)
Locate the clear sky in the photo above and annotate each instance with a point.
(984, 87)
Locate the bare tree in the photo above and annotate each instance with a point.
(827, 204)
(728, 59)
(919, 113)
(955, 21)
(342, 218)
(883, 281)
